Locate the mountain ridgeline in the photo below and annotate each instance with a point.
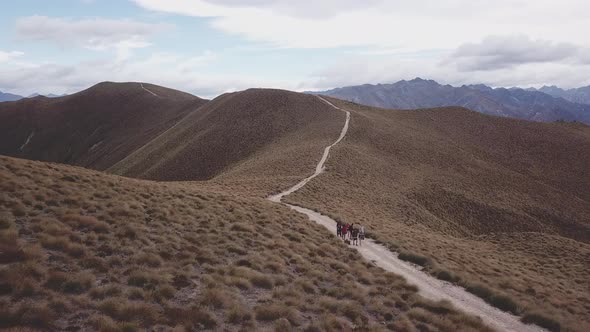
(496, 204)
(514, 102)
(94, 128)
(4, 96)
(576, 95)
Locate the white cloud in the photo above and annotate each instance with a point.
(303, 9)
(388, 40)
(10, 55)
(416, 25)
(91, 33)
(396, 40)
(167, 69)
(499, 52)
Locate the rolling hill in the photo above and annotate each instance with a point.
(419, 93)
(94, 128)
(497, 205)
(258, 138)
(501, 206)
(460, 188)
(85, 250)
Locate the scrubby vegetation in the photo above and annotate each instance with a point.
(100, 252)
(496, 205)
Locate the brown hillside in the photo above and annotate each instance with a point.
(492, 201)
(248, 138)
(94, 128)
(83, 250)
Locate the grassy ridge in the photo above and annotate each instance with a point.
(487, 201)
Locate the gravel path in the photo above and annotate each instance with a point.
(428, 286)
(146, 89)
(27, 141)
(320, 166)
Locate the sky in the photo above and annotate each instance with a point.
(207, 47)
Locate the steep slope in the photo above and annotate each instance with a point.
(94, 128)
(419, 93)
(84, 250)
(501, 206)
(247, 138)
(4, 96)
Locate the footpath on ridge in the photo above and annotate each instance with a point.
(429, 287)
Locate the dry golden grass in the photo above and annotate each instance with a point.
(101, 252)
(497, 205)
(482, 201)
(254, 141)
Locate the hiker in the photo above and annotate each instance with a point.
(350, 229)
(344, 231)
(355, 236)
(339, 229)
(361, 234)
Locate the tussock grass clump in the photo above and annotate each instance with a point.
(143, 279)
(69, 283)
(11, 252)
(192, 317)
(105, 291)
(148, 259)
(499, 301)
(541, 320)
(130, 311)
(446, 275)
(164, 292)
(86, 223)
(39, 316)
(238, 314)
(64, 244)
(272, 312)
(255, 278)
(216, 298)
(414, 258)
(19, 209)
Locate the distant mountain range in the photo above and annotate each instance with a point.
(12, 97)
(535, 105)
(9, 97)
(51, 95)
(578, 95)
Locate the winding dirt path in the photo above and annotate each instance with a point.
(146, 89)
(320, 166)
(429, 287)
(27, 141)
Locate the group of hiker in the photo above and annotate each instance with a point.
(350, 234)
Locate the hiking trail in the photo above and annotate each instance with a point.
(27, 141)
(429, 287)
(146, 89)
